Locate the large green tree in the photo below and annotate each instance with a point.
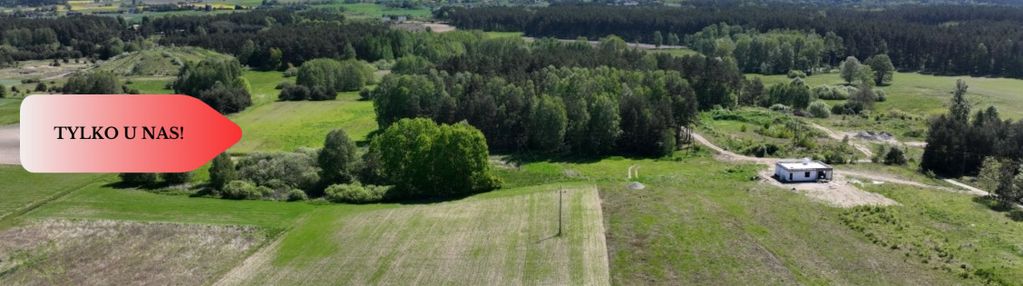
(337, 159)
(218, 83)
(423, 159)
(884, 70)
(93, 83)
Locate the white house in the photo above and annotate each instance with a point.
(804, 170)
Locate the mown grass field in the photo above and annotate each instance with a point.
(22, 190)
(285, 126)
(927, 95)
(502, 240)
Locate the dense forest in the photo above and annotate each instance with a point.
(975, 40)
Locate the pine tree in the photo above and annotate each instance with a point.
(960, 106)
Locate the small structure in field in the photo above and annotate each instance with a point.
(804, 170)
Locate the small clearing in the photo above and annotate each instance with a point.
(72, 252)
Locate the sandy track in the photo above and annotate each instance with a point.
(9, 143)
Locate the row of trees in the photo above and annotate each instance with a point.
(984, 40)
(773, 52)
(415, 158)
(577, 110)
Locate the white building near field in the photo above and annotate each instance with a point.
(805, 170)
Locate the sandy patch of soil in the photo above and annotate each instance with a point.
(9, 143)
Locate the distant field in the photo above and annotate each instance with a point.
(502, 241)
(160, 61)
(285, 126)
(928, 94)
(372, 10)
(262, 83)
(494, 35)
(676, 52)
(152, 85)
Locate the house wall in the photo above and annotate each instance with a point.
(800, 175)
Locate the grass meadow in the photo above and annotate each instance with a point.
(10, 110)
(285, 126)
(927, 95)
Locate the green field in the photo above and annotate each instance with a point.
(23, 190)
(928, 94)
(9, 110)
(372, 10)
(285, 126)
(159, 61)
(502, 240)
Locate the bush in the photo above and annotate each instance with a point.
(895, 156)
(365, 94)
(355, 193)
(291, 92)
(222, 171)
(176, 178)
(244, 190)
(280, 171)
(796, 74)
(819, 109)
(781, 108)
(138, 179)
(880, 95)
(297, 195)
(830, 92)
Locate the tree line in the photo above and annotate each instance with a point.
(975, 40)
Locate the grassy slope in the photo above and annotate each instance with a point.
(971, 232)
(285, 126)
(928, 94)
(371, 10)
(9, 110)
(21, 190)
(491, 240)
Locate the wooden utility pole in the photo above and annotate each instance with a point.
(560, 192)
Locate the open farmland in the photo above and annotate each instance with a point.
(503, 240)
(72, 252)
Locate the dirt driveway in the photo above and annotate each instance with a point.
(840, 192)
(9, 143)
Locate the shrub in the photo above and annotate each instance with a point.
(781, 108)
(895, 156)
(281, 171)
(796, 74)
(880, 95)
(819, 109)
(222, 171)
(138, 179)
(176, 178)
(297, 195)
(355, 193)
(830, 92)
(365, 94)
(291, 92)
(244, 190)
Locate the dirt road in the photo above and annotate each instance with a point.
(840, 192)
(9, 143)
